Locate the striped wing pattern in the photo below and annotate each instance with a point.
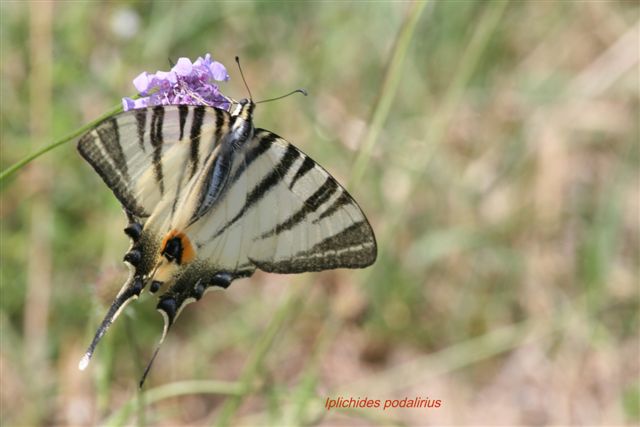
(210, 199)
(148, 154)
(283, 213)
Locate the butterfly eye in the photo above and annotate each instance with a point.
(173, 250)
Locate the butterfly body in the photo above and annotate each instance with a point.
(211, 199)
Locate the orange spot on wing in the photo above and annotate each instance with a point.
(188, 251)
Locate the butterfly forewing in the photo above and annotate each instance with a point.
(283, 213)
(337, 232)
(149, 154)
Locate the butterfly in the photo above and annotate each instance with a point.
(210, 199)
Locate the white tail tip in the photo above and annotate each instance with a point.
(84, 362)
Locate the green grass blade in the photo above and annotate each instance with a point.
(388, 90)
(22, 163)
(182, 388)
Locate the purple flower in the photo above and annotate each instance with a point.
(187, 83)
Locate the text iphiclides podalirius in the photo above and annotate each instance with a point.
(210, 199)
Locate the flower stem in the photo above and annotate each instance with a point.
(20, 164)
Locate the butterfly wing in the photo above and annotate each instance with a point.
(280, 212)
(147, 157)
(284, 214)
(317, 225)
(237, 204)
(149, 154)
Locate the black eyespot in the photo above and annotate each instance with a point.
(133, 230)
(173, 250)
(155, 286)
(133, 257)
(198, 290)
(222, 280)
(169, 306)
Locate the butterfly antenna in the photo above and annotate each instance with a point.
(243, 79)
(302, 91)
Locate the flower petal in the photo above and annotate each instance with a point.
(127, 104)
(141, 82)
(187, 83)
(183, 67)
(219, 72)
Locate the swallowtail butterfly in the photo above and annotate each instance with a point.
(210, 199)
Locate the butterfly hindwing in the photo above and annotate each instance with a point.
(147, 157)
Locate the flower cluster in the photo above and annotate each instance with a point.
(187, 83)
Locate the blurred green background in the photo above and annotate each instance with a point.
(493, 146)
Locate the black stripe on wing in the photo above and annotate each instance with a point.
(341, 201)
(311, 204)
(155, 135)
(183, 112)
(305, 167)
(141, 125)
(99, 149)
(353, 247)
(265, 140)
(109, 135)
(222, 125)
(196, 128)
(276, 175)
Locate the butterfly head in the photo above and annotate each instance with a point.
(242, 116)
(243, 108)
